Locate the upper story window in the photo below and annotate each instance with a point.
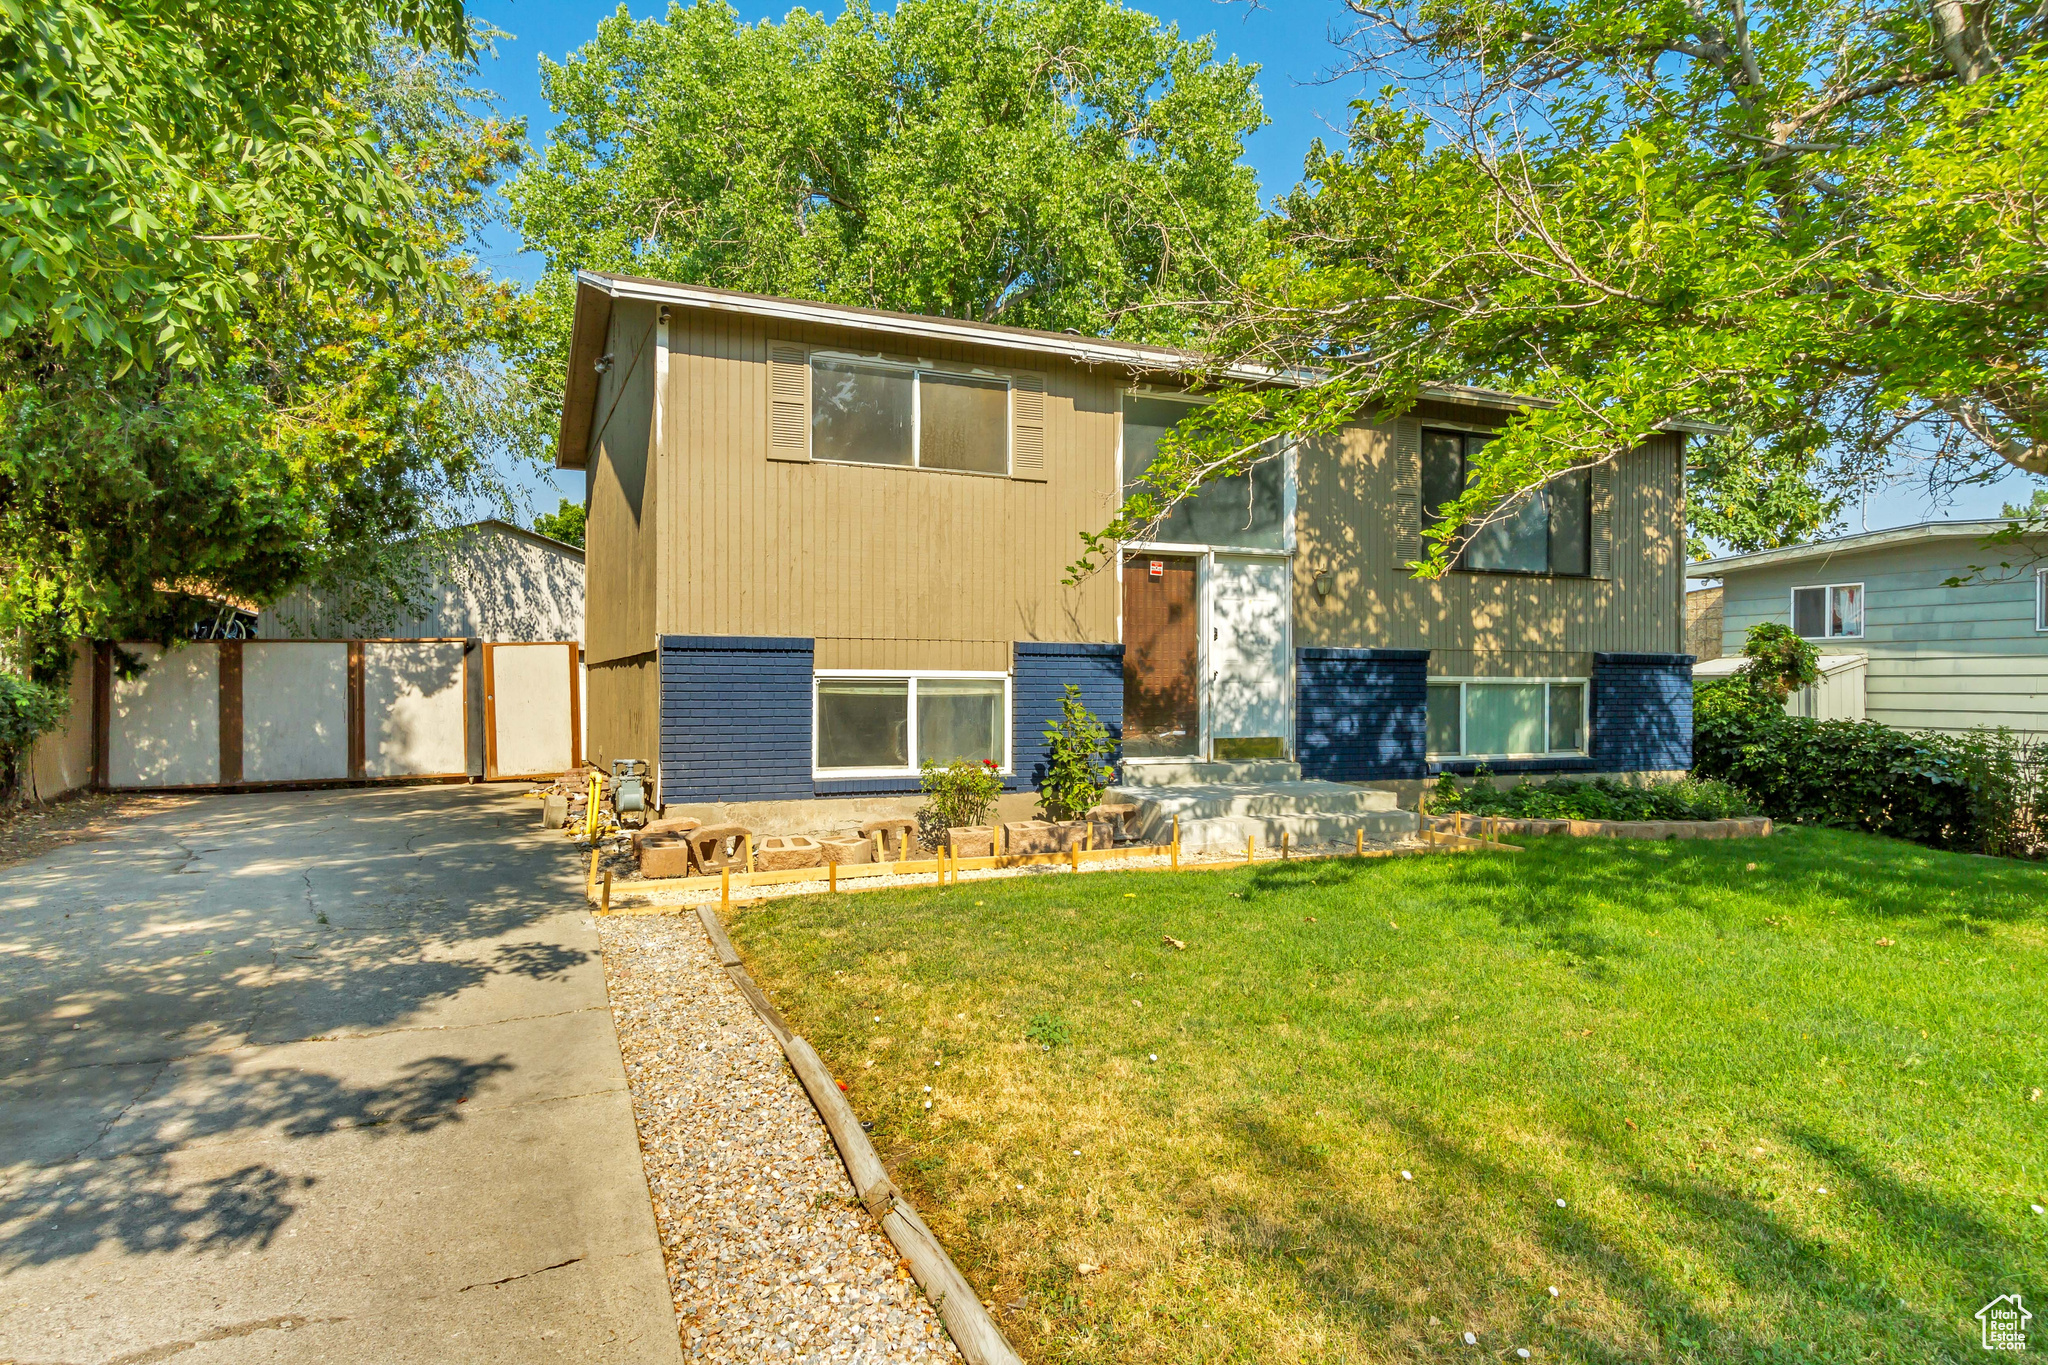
(1829, 612)
(872, 412)
(1548, 531)
(1247, 510)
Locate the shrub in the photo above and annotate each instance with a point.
(1981, 792)
(27, 710)
(1074, 772)
(1689, 798)
(960, 793)
(1780, 662)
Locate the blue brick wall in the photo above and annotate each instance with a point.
(1042, 672)
(1642, 712)
(1361, 715)
(735, 718)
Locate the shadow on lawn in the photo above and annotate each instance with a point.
(1556, 880)
(1329, 1243)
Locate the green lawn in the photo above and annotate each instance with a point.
(1767, 1100)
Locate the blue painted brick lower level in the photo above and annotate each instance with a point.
(735, 718)
(1038, 687)
(1361, 715)
(1642, 712)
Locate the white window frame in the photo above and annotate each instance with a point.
(912, 676)
(1827, 613)
(2040, 599)
(917, 369)
(1585, 686)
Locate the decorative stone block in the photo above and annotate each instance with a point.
(779, 852)
(554, 810)
(847, 850)
(681, 824)
(714, 847)
(665, 855)
(895, 837)
(972, 841)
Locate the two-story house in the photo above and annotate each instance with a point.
(827, 543)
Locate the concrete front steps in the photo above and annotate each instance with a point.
(1221, 805)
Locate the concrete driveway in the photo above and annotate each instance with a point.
(317, 1076)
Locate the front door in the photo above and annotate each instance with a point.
(1249, 681)
(1162, 651)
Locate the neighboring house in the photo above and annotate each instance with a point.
(829, 542)
(489, 580)
(1905, 648)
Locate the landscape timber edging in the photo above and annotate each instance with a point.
(1746, 827)
(974, 1332)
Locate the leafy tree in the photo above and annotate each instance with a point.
(1814, 219)
(1780, 662)
(565, 523)
(1050, 163)
(294, 401)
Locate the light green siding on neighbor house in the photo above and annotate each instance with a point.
(1940, 658)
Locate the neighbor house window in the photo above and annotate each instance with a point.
(1247, 510)
(872, 412)
(1548, 531)
(887, 725)
(2041, 599)
(1833, 611)
(1506, 718)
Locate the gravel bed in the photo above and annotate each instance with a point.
(770, 1257)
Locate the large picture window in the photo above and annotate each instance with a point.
(1506, 718)
(887, 725)
(1247, 511)
(1833, 611)
(1548, 531)
(871, 412)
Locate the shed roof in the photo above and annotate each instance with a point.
(596, 291)
(1845, 545)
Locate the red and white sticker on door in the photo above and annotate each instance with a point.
(1157, 568)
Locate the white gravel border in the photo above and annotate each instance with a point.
(770, 1257)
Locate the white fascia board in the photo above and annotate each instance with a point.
(1084, 350)
(1826, 549)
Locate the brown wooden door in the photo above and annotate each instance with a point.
(1162, 647)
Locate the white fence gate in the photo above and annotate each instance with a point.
(245, 713)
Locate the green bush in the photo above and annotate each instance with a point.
(1780, 662)
(1980, 792)
(1689, 798)
(27, 710)
(1074, 771)
(961, 793)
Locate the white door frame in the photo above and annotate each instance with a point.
(1205, 557)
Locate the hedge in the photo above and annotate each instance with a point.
(1980, 792)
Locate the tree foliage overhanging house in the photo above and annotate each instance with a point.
(1813, 219)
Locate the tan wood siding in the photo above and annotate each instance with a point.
(623, 704)
(884, 567)
(1352, 501)
(619, 547)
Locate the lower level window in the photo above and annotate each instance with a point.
(888, 725)
(1506, 718)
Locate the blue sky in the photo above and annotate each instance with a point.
(1288, 39)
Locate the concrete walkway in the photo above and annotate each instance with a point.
(317, 1076)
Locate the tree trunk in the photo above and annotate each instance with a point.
(1959, 28)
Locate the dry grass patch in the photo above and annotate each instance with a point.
(1373, 1106)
